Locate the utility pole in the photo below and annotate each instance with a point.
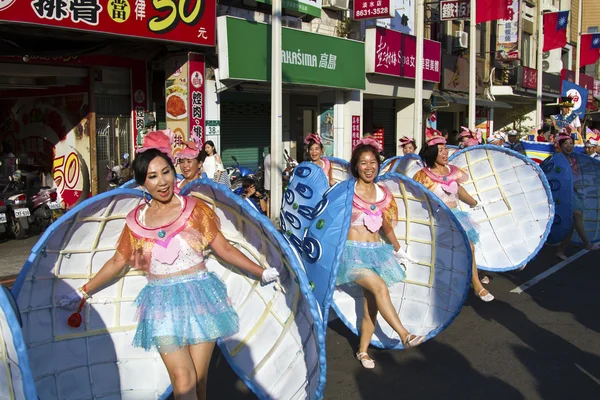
(276, 123)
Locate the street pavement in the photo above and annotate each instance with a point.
(541, 344)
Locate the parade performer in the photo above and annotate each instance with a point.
(514, 143)
(213, 165)
(191, 160)
(314, 154)
(408, 145)
(566, 146)
(445, 182)
(469, 138)
(497, 139)
(567, 118)
(183, 308)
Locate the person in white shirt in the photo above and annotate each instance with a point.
(267, 174)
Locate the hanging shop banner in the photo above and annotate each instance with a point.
(453, 10)
(176, 98)
(51, 133)
(310, 7)
(355, 130)
(393, 53)
(306, 58)
(181, 21)
(196, 95)
(403, 17)
(326, 128)
(139, 100)
(579, 96)
(550, 82)
(369, 9)
(508, 34)
(378, 134)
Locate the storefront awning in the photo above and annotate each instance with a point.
(464, 99)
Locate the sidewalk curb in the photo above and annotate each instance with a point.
(8, 280)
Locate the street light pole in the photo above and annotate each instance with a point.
(472, 64)
(540, 72)
(418, 110)
(276, 123)
(578, 52)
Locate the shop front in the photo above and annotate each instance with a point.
(74, 83)
(322, 78)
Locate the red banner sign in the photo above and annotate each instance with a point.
(393, 53)
(196, 95)
(529, 78)
(378, 135)
(182, 21)
(370, 9)
(355, 130)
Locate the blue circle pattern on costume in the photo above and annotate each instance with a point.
(588, 198)
(557, 169)
(305, 189)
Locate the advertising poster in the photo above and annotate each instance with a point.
(508, 34)
(196, 96)
(326, 128)
(176, 98)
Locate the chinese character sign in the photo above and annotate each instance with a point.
(529, 78)
(139, 99)
(451, 10)
(184, 21)
(508, 33)
(355, 130)
(368, 9)
(196, 95)
(394, 53)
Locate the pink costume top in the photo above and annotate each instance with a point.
(172, 248)
(178, 185)
(371, 215)
(326, 166)
(444, 187)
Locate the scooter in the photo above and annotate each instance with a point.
(18, 213)
(238, 174)
(46, 208)
(117, 174)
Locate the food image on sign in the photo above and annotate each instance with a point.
(176, 102)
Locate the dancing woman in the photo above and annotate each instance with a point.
(445, 182)
(368, 262)
(191, 160)
(408, 145)
(314, 152)
(183, 308)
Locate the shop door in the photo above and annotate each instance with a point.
(113, 141)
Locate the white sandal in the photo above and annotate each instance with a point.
(365, 360)
(487, 298)
(414, 342)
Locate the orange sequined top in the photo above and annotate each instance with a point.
(171, 248)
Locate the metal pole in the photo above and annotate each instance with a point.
(276, 123)
(418, 110)
(540, 72)
(472, 64)
(578, 53)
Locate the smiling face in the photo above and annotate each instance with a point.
(160, 179)
(408, 148)
(566, 146)
(442, 157)
(189, 168)
(367, 167)
(315, 152)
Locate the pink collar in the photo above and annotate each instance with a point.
(373, 208)
(444, 180)
(162, 235)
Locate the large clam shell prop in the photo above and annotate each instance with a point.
(436, 287)
(516, 221)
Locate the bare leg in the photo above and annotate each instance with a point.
(578, 224)
(369, 320)
(477, 286)
(201, 354)
(182, 373)
(379, 290)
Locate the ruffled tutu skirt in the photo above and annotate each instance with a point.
(470, 226)
(183, 310)
(363, 259)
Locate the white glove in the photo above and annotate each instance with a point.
(269, 275)
(70, 301)
(403, 257)
(480, 205)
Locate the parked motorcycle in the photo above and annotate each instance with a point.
(238, 173)
(46, 207)
(118, 174)
(18, 213)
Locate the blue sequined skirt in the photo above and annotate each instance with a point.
(468, 225)
(183, 310)
(363, 259)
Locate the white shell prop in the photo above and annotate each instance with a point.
(389, 165)
(436, 287)
(340, 169)
(98, 359)
(518, 209)
(408, 165)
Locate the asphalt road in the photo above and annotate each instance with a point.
(541, 344)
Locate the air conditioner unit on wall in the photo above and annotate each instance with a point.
(552, 61)
(340, 5)
(291, 22)
(460, 41)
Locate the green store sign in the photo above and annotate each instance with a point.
(310, 7)
(307, 58)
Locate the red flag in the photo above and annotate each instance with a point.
(590, 49)
(493, 10)
(555, 30)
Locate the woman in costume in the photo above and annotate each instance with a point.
(183, 308)
(314, 154)
(408, 145)
(366, 260)
(567, 118)
(469, 138)
(566, 146)
(191, 160)
(213, 166)
(445, 182)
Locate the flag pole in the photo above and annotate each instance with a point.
(276, 138)
(418, 108)
(578, 52)
(540, 72)
(472, 64)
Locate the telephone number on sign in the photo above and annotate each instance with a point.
(372, 11)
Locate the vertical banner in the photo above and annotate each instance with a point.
(355, 130)
(508, 34)
(176, 98)
(139, 97)
(197, 118)
(579, 95)
(378, 135)
(326, 128)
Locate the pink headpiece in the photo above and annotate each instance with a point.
(563, 135)
(369, 141)
(313, 137)
(404, 140)
(466, 132)
(434, 137)
(192, 148)
(159, 140)
(473, 138)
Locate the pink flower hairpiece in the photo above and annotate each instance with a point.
(405, 140)
(313, 137)
(159, 140)
(369, 141)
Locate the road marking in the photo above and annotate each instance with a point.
(592, 377)
(547, 273)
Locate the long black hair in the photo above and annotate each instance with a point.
(143, 160)
(358, 151)
(213, 146)
(429, 155)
